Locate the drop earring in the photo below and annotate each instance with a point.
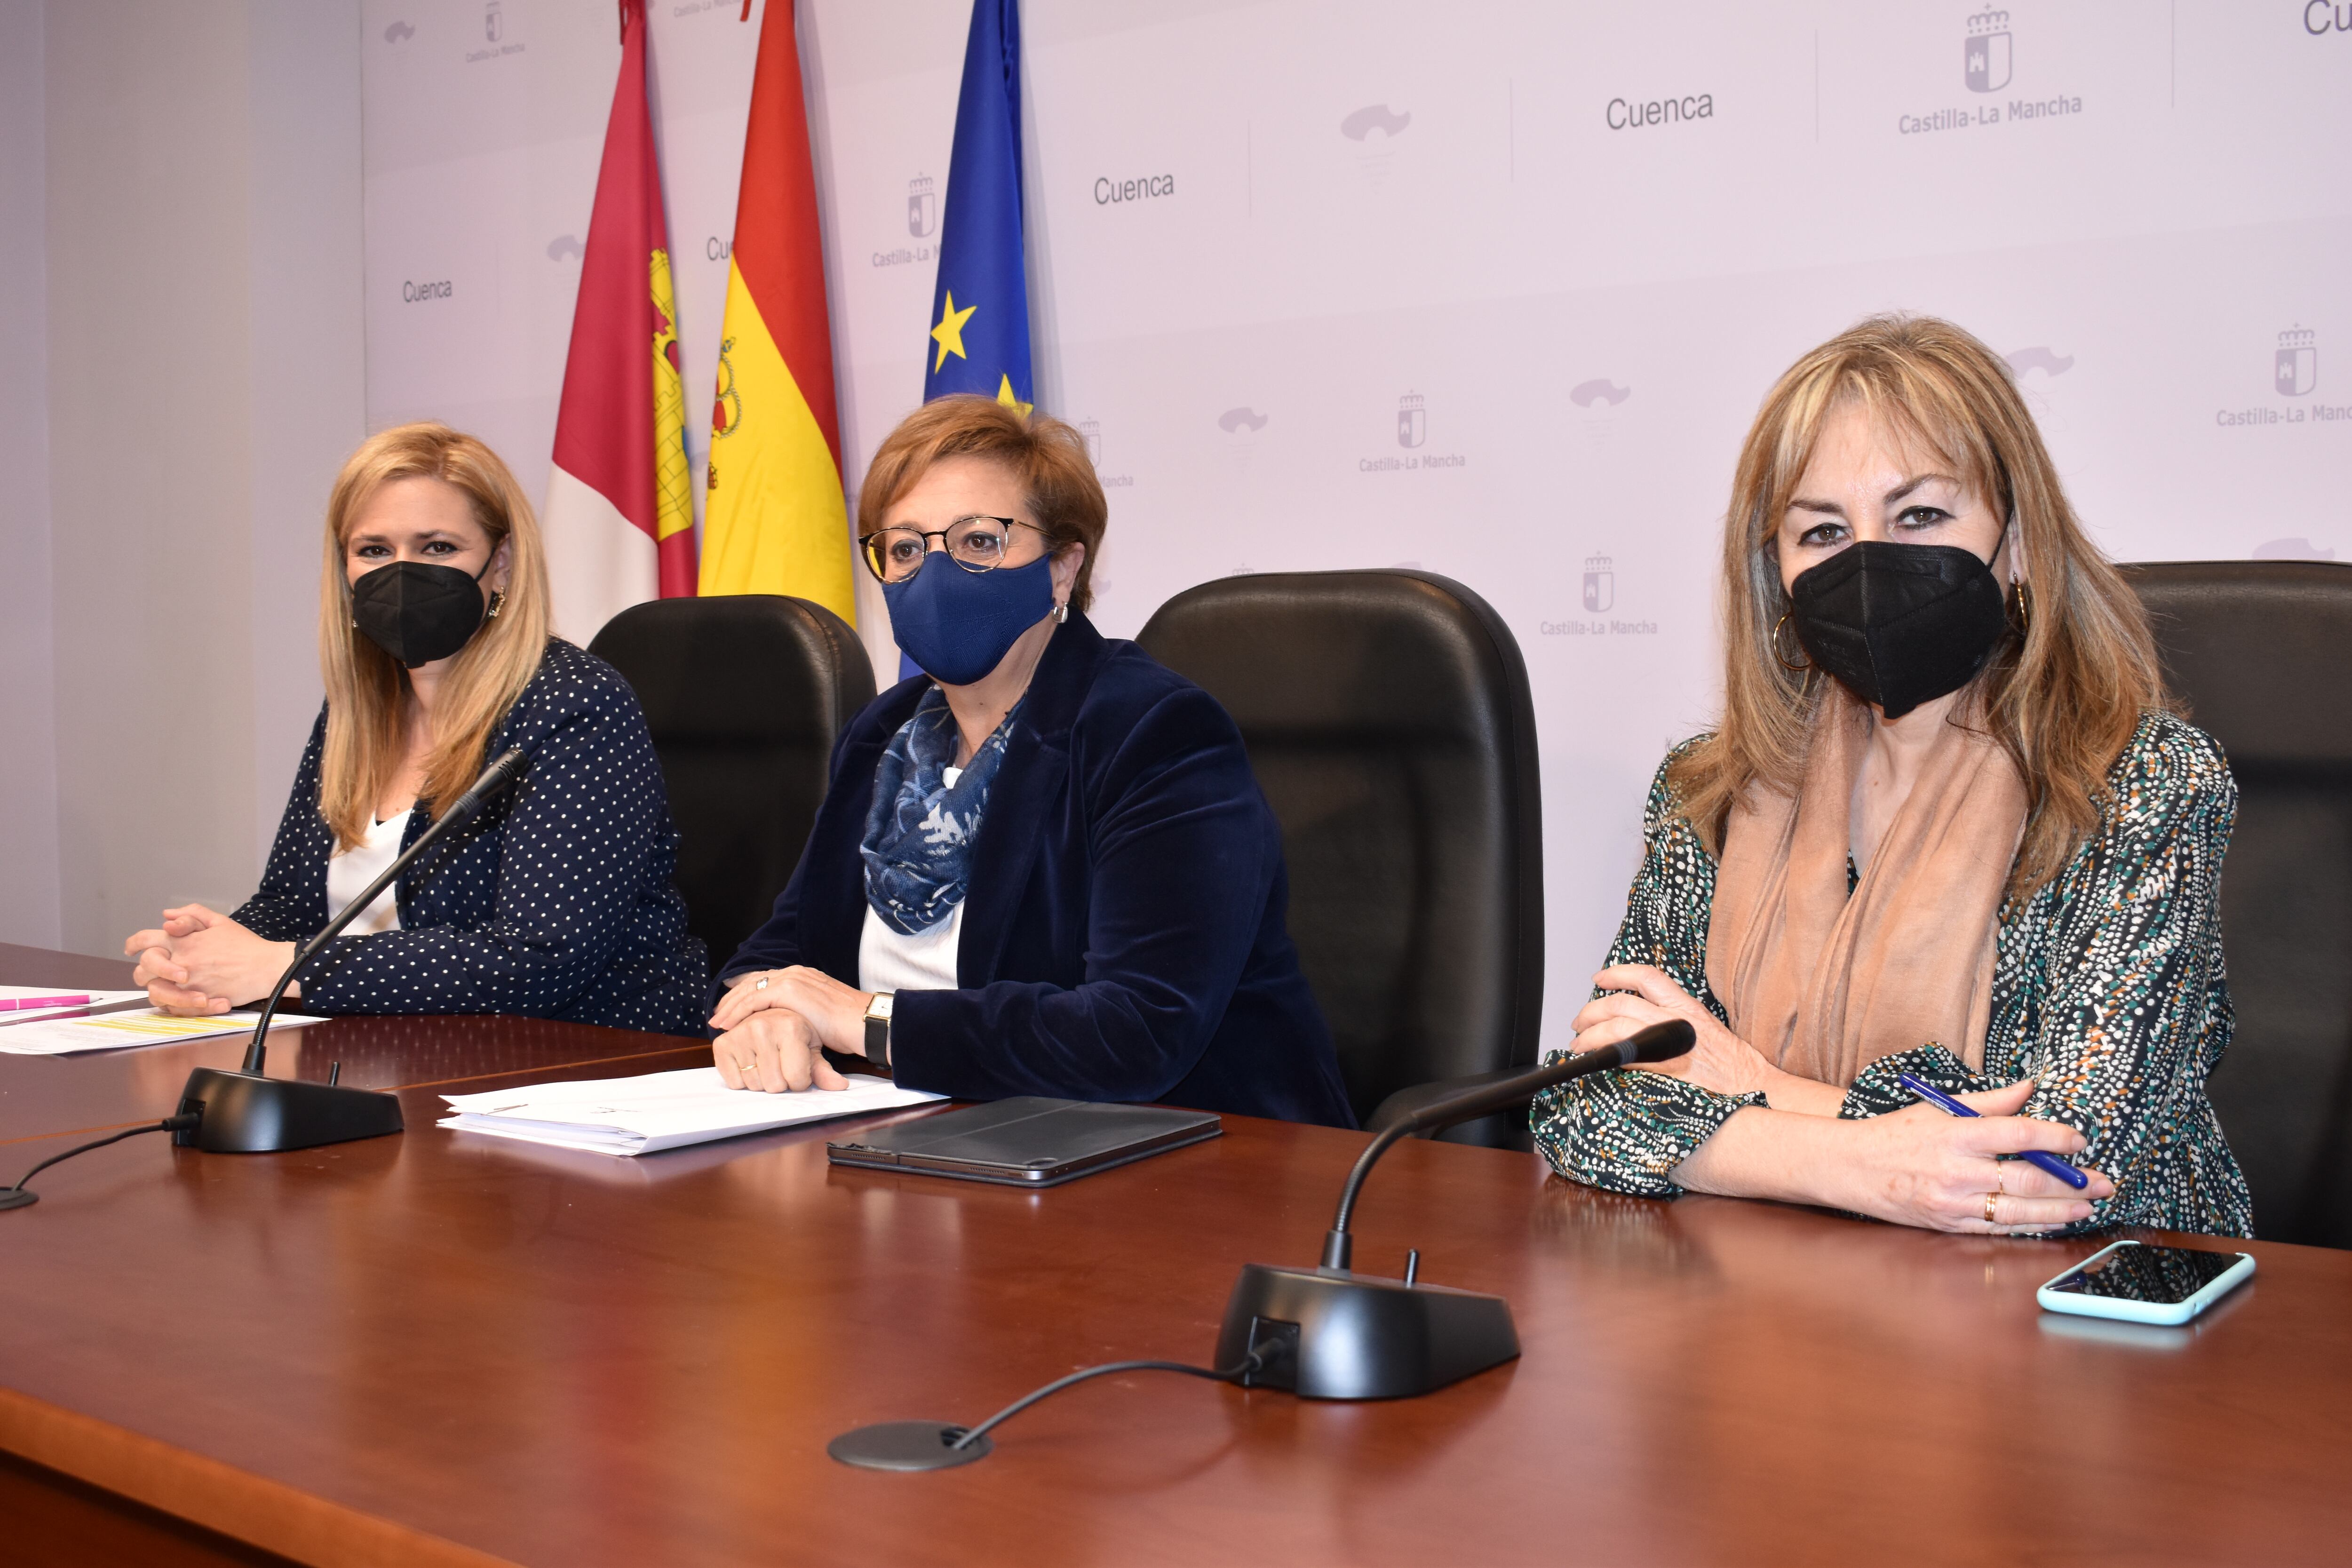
(497, 603)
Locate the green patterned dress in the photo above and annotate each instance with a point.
(2107, 987)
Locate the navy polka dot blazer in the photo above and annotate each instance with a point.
(556, 902)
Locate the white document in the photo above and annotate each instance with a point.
(145, 1027)
(21, 1014)
(661, 1109)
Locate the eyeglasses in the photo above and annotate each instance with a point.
(974, 544)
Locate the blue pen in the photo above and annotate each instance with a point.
(1945, 1102)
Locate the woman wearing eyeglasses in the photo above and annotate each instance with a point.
(1044, 867)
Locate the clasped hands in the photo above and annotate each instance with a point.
(200, 962)
(1914, 1166)
(775, 1026)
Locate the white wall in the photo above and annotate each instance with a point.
(201, 221)
(1379, 207)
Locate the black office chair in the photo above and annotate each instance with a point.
(745, 695)
(1387, 720)
(2261, 653)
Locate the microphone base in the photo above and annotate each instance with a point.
(908, 1446)
(246, 1113)
(1362, 1336)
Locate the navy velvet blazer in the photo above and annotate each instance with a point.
(555, 903)
(1123, 936)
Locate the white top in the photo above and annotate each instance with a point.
(351, 870)
(923, 962)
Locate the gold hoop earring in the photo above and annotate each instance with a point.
(1792, 668)
(2021, 605)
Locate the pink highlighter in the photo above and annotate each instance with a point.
(27, 1004)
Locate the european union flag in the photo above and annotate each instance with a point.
(980, 336)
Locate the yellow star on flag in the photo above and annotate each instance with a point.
(1004, 395)
(948, 333)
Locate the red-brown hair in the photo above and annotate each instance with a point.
(1047, 456)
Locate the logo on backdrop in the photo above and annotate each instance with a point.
(1240, 421)
(1090, 430)
(1600, 584)
(1989, 46)
(2041, 359)
(1988, 63)
(1375, 126)
(564, 244)
(494, 33)
(2321, 17)
(399, 33)
(1374, 117)
(2294, 373)
(1600, 390)
(1598, 597)
(2295, 368)
(1412, 433)
(922, 223)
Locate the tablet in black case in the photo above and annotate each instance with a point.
(1030, 1141)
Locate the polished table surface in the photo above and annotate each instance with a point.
(440, 1347)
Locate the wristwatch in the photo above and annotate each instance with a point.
(877, 1028)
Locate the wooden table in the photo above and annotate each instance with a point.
(438, 1348)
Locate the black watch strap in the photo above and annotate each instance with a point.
(877, 1041)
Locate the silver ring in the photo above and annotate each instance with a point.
(761, 983)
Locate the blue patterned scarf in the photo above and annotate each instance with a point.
(919, 832)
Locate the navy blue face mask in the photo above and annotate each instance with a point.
(957, 626)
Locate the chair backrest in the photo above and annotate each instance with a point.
(745, 695)
(2261, 652)
(1387, 720)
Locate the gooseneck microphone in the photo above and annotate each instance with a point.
(462, 810)
(244, 1112)
(1329, 1332)
(1658, 1043)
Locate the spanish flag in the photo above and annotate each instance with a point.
(620, 507)
(774, 520)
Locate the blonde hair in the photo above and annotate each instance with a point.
(1045, 455)
(2063, 697)
(368, 693)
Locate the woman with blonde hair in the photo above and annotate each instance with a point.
(1949, 828)
(557, 901)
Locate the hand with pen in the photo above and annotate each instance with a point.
(1959, 1163)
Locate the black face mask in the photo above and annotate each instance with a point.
(1899, 624)
(418, 612)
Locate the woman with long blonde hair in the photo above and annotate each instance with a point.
(1951, 829)
(557, 900)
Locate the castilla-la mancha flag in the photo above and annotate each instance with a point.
(773, 519)
(620, 511)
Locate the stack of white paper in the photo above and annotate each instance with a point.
(112, 1031)
(660, 1111)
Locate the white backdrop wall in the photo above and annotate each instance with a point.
(1492, 290)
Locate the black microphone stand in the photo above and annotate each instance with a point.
(1331, 1333)
(243, 1113)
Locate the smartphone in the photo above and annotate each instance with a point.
(2143, 1284)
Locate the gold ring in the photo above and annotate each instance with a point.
(1991, 1199)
